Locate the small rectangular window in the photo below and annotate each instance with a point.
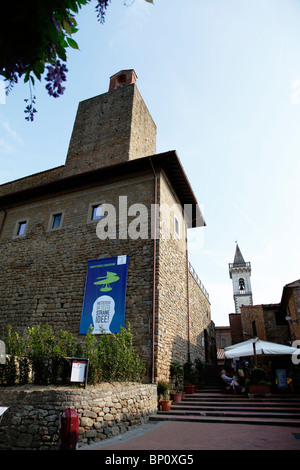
(176, 226)
(21, 228)
(96, 212)
(56, 220)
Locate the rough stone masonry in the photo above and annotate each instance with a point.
(108, 409)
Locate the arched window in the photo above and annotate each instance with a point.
(241, 284)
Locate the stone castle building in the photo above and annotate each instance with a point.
(49, 221)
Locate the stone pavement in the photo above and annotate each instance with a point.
(173, 435)
(212, 420)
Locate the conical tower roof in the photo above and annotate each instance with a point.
(238, 257)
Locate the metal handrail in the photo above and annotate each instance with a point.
(198, 280)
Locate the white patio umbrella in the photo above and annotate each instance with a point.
(256, 346)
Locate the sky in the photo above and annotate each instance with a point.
(221, 79)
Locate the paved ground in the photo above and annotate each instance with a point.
(168, 435)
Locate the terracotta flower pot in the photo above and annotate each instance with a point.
(260, 389)
(189, 389)
(166, 405)
(176, 396)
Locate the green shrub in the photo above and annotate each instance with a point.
(163, 390)
(260, 376)
(111, 357)
(177, 374)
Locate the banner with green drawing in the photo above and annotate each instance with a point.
(104, 296)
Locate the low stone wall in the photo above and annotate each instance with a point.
(105, 410)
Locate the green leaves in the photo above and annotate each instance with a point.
(111, 357)
(72, 43)
(36, 34)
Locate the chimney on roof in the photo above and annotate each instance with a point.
(122, 78)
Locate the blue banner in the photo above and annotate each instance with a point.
(104, 296)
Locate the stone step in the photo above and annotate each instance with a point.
(227, 419)
(261, 402)
(212, 405)
(217, 396)
(234, 406)
(241, 414)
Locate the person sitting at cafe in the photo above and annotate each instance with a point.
(230, 380)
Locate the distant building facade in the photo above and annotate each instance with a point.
(278, 322)
(290, 308)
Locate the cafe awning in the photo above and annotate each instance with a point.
(256, 346)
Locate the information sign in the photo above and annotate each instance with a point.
(2, 352)
(281, 378)
(79, 370)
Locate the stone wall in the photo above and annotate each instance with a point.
(37, 179)
(32, 420)
(110, 128)
(265, 318)
(223, 337)
(292, 309)
(235, 323)
(45, 271)
(183, 322)
(202, 329)
(171, 325)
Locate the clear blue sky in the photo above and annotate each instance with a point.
(217, 77)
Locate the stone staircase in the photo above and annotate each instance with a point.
(212, 405)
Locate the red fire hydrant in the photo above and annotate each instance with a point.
(68, 430)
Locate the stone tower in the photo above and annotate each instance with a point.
(240, 273)
(111, 128)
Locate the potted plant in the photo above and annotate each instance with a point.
(259, 381)
(199, 373)
(177, 375)
(163, 395)
(188, 374)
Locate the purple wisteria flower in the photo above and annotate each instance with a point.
(14, 72)
(57, 25)
(30, 110)
(56, 75)
(101, 7)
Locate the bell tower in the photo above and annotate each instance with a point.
(240, 273)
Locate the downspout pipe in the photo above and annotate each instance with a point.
(154, 273)
(187, 295)
(3, 220)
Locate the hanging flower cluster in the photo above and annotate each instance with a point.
(34, 37)
(56, 75)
